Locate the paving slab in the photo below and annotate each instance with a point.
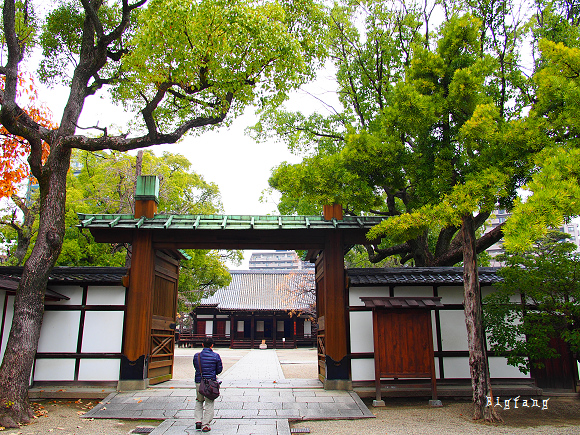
(255, 399)
(225, 427)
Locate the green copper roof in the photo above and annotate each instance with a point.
(223, 222)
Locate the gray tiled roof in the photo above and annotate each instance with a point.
(265, 290)
(401, 302)
(60, 275)
(417, 276)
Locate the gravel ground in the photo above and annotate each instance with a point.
(398, 417)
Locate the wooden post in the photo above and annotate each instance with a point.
(233, 328)
(333, 211)
(137, 331)
(274, 330)
(335, 315)
(146, 196)
(252, 328)
(137, 334)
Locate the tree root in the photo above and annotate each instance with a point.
(15, 414)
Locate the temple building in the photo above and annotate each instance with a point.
(271, 307)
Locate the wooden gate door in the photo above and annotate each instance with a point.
(557, 373)
(403, 346)
(164, 318)
(320, 310)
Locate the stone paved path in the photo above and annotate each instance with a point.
(255, 399)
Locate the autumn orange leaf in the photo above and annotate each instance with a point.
(14, 150)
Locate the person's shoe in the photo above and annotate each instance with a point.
(206, 429)
(198, 425)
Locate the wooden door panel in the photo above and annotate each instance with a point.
(164, 312)
(405, 347)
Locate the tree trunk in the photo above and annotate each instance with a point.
(24, 231)
(478, 364)
(29, 301)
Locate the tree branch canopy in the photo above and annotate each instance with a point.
(248, 52)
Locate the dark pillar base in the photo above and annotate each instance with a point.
(133, 375)
(337, 374)
(133, 370)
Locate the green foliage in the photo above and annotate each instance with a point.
(538, 300)
(554, 186)
(429, 129)
(61, 39)
(104, 182)
(26, 27)
(202, 275)
(555, 197)
(220, 55)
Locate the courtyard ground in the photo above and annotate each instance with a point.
(398, 417)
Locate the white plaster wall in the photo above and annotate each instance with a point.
(208, 328)
(363, 369)
(355, 293)
(222, 316)
(456, 367)
(361, 331)
(451, 294)
(418, 291)
(486, 290)
(106, 295)
(499, 368)
(7, 323)
(59, 332)
(453, 330)
(280, 325)
(75, 293)
(99, 370)
(103, 332)
(205, 317)
(228, 330)
(434, 330)
(240, 326)
(307, 327)
(54, 369)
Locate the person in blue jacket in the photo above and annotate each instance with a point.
(211, 366)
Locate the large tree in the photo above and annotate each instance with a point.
(429, 134)
(393, 146)
(180, 65)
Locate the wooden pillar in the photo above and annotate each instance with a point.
(274, 330)
(335, 314)
(294, 333)
(137, 333)
(252, 329)
(233, 328)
